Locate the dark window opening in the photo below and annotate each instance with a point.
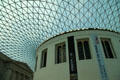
(107, 48)
(80, 51)
(72, 59)
(36, 63)
(44, 58)
(60, 53)
(83, 49)
(87, 50)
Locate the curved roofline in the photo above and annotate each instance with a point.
(77, 30)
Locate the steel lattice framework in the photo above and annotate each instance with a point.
(24, 24)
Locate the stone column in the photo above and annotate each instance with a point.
(8, 74)
(19, 76)
(13, 75)
(24, 77)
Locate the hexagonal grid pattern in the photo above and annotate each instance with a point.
(24, 24)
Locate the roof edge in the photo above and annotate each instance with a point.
(75, 31)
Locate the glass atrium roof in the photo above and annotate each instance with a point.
(24, 24)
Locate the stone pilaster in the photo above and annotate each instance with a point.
(8, 74)
(13, 75)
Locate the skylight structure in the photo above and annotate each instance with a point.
(24, 24)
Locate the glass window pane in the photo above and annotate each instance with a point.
(87, 50)
(44, 58)
(36, 63)
(105, 52)
(64, 53)
(60, 53)
(80, 51)
(41, 60)
(109, 50)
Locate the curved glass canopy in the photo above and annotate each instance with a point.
(25, 24)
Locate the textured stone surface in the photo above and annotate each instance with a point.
(11, 69)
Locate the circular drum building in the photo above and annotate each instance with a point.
(80, 55)
(24, 24)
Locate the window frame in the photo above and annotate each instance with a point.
(43, 55)
(82, 40)
(107, 56)
(63, 56)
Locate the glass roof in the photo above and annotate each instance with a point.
(25, 24)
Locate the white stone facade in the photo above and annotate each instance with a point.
(87, 69)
